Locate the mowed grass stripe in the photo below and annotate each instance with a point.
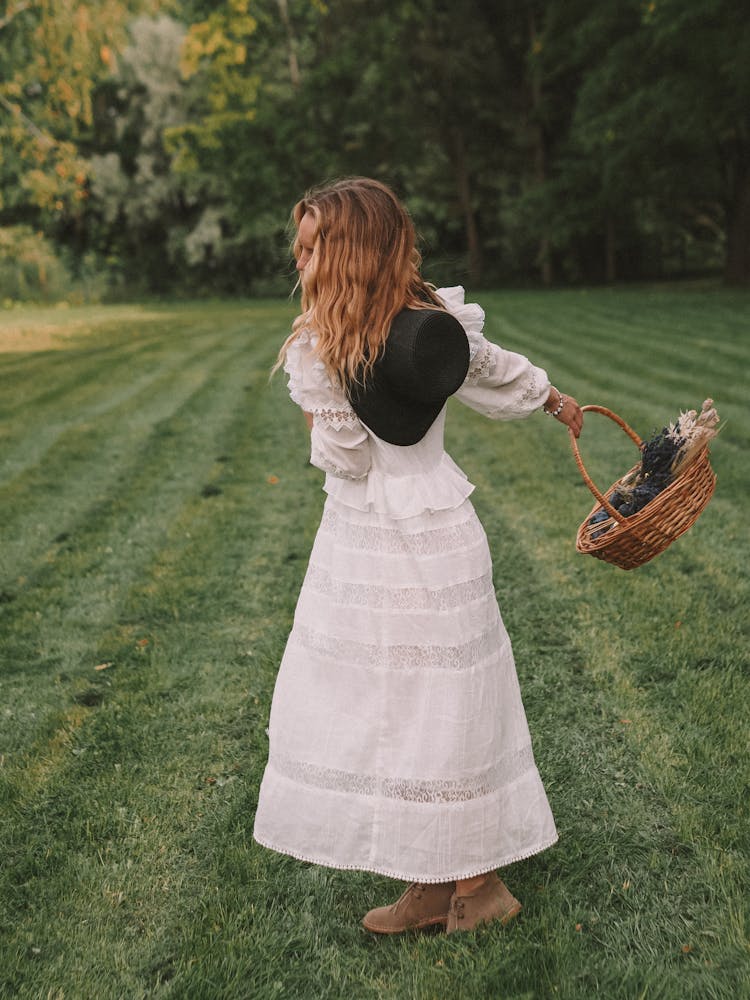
(88, 463)
(191, 670)
(96, 573)
(129, 868)
(678, 679)
(646, 400)
(195, 503)
(631, 360)
(90, 385)
(84, 372)
(714, 318)
(645, 337)
(134, 506)
(110, 383)
(653, 727)
(38, 381)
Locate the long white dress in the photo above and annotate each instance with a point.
(398, 739)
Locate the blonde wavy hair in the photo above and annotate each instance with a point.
(364, 269)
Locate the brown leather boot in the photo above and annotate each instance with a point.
(419, 906)
(491, 901)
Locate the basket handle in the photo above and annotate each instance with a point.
(593, 408)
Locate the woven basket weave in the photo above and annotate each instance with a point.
(628, 542)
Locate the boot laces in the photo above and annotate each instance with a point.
(415, 889)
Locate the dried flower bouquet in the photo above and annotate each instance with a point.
(665, 456)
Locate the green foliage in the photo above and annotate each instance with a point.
(554, 140)
(30, 267)
(647, 103)
(55, 53)
(140, 206)
(158, 511)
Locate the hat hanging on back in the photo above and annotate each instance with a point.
(425, 360)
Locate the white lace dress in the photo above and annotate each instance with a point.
(398, 739)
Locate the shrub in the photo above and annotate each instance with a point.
(30, 268)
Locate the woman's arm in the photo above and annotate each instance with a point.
(342, 449)
(504, 385)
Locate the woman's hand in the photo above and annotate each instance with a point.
(572, 415)
(565, 409)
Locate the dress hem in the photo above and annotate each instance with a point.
(404, 877)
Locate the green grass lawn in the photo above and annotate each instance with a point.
(157, 514)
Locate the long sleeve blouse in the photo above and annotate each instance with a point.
(369, 474)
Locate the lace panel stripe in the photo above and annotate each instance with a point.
(435, 541)
(508, 769)
(368, 595)
(403, 657)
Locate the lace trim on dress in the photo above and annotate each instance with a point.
(321, 460)
(508, 769)
(482, 365)
(313, 388)
(501, 861)
(403, 657)
(326, 465)
(531, 391)
(337, 417)
(397, 598)
(436, 541)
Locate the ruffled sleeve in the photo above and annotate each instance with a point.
(339, 443)
(500, 384)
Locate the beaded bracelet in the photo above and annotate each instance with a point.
(558, 411)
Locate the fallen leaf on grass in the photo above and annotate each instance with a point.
(104, 666)
(220, 782)
(579, 927)
(686, 949)
(272, 480)
(142, 643)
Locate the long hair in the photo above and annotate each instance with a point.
(364, 269)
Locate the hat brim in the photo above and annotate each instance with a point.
(394, 418)
(425, 360)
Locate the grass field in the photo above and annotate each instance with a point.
(157, 513)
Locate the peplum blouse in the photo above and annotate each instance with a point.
(368, 474)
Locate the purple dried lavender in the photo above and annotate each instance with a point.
(654, 475)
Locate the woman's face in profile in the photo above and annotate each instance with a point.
(305, 244)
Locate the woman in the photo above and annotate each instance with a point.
(398, 739)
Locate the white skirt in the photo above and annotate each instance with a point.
(398, 739)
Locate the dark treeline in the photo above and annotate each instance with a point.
(162, 144)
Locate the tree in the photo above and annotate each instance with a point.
(143, 211)
(660, 129)
(54, 54)
(704, 47)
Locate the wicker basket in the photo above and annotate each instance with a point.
(628, 542)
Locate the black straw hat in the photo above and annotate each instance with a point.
(426, 358)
